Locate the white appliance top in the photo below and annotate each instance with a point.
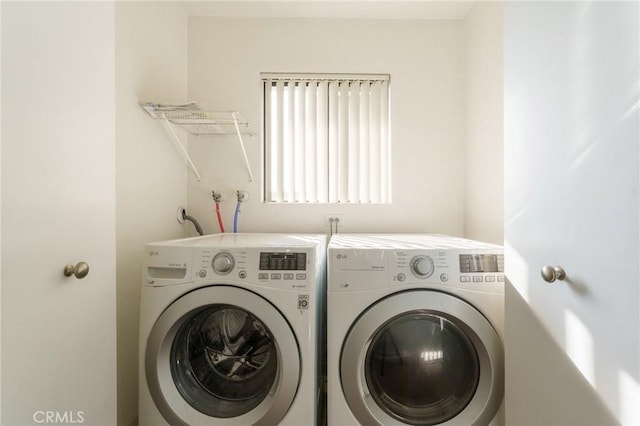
(406, 241)
(262, 240)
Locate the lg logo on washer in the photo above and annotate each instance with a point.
(58, 417)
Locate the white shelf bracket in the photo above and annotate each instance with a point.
(168, 126)
(244, 151)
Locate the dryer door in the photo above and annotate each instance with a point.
(422, 358)
(217, 356)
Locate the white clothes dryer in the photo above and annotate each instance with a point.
(414, 331)
(229, 330)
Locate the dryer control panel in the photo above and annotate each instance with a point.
(365, 262)
(478, 263)
(461, 268)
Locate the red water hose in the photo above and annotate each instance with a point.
(219, 216)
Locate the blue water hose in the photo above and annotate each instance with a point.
(235, 217)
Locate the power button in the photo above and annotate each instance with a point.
(444, 278)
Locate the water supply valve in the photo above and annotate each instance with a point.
(242, 196)
(217, 196)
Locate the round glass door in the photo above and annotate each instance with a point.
(422, 357)
(421, 368)
(223, 355)
(224, 361)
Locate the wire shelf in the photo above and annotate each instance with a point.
(200, 123)
(197, 121)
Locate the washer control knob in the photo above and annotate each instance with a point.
(223, 263)
(422, 266)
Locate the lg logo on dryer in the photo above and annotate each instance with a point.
(341, 256)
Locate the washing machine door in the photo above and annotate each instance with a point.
(422, 358)
(222, 355)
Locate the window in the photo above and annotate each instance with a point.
(326, 138)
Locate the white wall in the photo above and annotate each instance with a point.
(151, 65)
(424, 59)
(483, 40)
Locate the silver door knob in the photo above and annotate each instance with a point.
(80, 270)
(552, 273)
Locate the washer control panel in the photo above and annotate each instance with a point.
(288, 267)
(279, 268)
(283, 261)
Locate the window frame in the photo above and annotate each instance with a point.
(345, 167)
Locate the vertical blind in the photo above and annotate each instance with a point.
(326, 138)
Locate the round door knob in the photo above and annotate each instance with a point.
(422, 266)
(222, 263)
(80, 270)
(552, 273)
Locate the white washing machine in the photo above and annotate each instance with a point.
(414, 331)
(229, 330)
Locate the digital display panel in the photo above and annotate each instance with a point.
(275, 261)
(472, 263)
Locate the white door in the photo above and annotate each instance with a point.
(58, 208)
(572, 133)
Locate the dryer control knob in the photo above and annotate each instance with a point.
(422, 266)
(222, 263)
